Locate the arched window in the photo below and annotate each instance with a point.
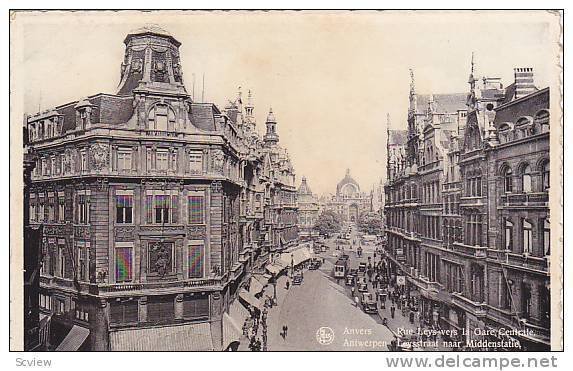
(161, 117)
(545, 176)
(504, 132)
(527, 229)
(507, 180)
(526, 179)
(542, 120)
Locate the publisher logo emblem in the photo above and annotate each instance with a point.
(325, 335)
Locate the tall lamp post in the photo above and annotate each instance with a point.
(291, 265)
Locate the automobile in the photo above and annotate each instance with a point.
(368, 303)
(361, 283)
(297, 280)
(315, 264)
(349, 281)
(362, 267)
(353, 272)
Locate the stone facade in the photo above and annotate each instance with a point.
(349, 202)
(154, 207)
(467, 209)
(307, 210)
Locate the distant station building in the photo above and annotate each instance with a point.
(154, 209)
(349, 202)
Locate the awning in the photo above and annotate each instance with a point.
(249, 298)
(255, 286)
(191, 337)
(276, 267)
(296, 256)
(231, 331)
(74, 340)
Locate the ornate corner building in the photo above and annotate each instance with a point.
(154, 208)
(467, 210)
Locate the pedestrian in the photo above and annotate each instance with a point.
(392, 311)
(356, 301)
(287, 284)
(283, 332)
(286, 330)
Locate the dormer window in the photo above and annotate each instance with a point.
(542, 121)
(161, 117)
(83, 119)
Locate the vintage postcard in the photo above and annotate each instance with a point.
(286, 181)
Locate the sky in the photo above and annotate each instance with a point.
(331, 78)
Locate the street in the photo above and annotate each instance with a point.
(320, 302)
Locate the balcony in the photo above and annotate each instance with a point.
(476, 308)
(162, 133)
(472, 201)
(524, 262)
(517, 200)
(479, 252)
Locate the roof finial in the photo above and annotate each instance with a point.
(412, 83)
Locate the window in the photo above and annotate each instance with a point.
(196, 209)
(546, 237)
(195, 162)
(196, 259)
(542, 120)
(123, 311)
(33, 209)
(61, 207)
(124, 261)
(507, 180)
(124, 208)
(545, 176)
(83, 207)
(161, 117)
(82, 312)
(124, 159)
(508, 235)
(41, 215)
(504, 292)
(525, 300)
(62, 262)
(474, 229)
(83, 260)
(51, 209)
(526, 179)
(162, 159)
(162, 207)
(527, 236)
(60, 306)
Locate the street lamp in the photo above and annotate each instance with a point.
(292, 265)
(273, 282)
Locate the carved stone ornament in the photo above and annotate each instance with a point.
(100, 155)
(218, 161)
(196, 232)
(216, 187)
(137, 65)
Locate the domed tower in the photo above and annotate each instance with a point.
(151, 63)
(271, 137)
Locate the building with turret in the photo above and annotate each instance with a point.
(155, 209)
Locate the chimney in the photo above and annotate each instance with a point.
(523, 81)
